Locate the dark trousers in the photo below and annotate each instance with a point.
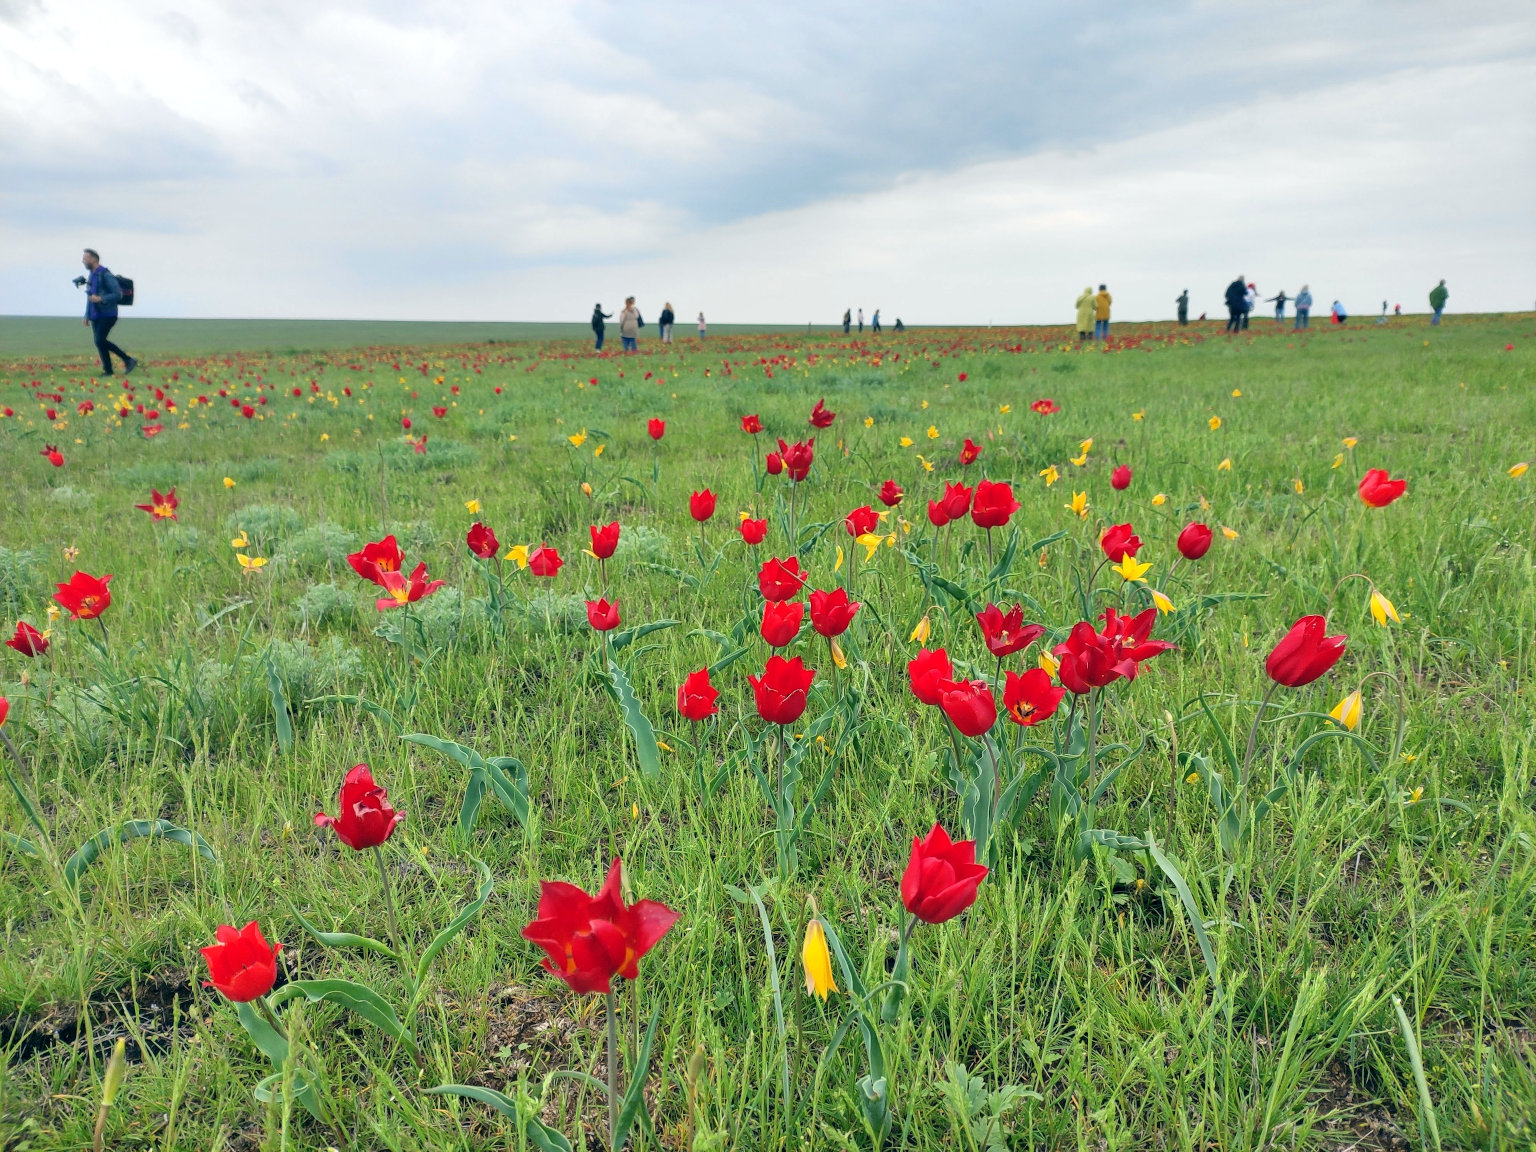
(100, 327)
(599, 333)
(1234, 319)
(1183, 316)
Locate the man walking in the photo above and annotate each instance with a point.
(1237, 296)
(1183, 303)
(1437, 298)
(102, 295)
(875, 321)
(1101, 304)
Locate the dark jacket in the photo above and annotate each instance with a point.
(598, 316)
(1237, 295)
(667, 317)
(102, 283)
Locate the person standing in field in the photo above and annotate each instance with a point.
(1236, 294)
(1101, 304)
(665, 321)
(629, 325)
(875, 321)
(1279, 303)
(1250, 298)
(1183, 303)
(1437, 298)
(847, 320)
(598, 327)
(102, 295)
(703, 328)
(861, 319)
(1085, 314)
(1303, 307)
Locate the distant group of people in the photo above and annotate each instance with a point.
(1093, 313)
(1241, 297)
(848, 322)
(630, 323)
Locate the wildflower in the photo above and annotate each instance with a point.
(376, 558)
(696, 696)
(1079, 505)
(817, 961)
(781, 622)
(1347, 711)
(161, 507)
(890, 494)
(1120, 541)
(1225, 465)
(518, 554)
(905, 442)
(1048, 664)
(482, 541)
(1079, 461)
(1164, 605)
(240, 541)
(1377, 488)
(1159, 500)
(605, 540)
(472, 507)
(925, 462)
(1050, 474)
(1045, 407)
(84, 597)
(250, 563)
(364, 816)
(701, 505)
(404, 589)
(753, 531)
(921, 632)
(656, 428)
(1006, 633)
(1304, 653)
(1214, 422)
(969, 451)
(601, 615)
(1030, 697)
(751, 425)
(861, 521)
(229, 482)
(1382, 609)
(1120, 478)
(1195, 540)
(871, 544)
(779, 692)
(28, 640)
(942, 877)
(242, 965)
(544, 561)
(577, 439)
(1518, 470)
(1229, 533)
(780, 579)
(588, 940)
(1004, 409)
(1350, 441)
(993, 505)
(933, 431)
(1131, 571)
(970, 705)
(1139, 415)
(928, 672)
(820, 416)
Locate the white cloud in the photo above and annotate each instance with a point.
(331, 159)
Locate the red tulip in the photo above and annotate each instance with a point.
(242, 965)
(968, 452)
(890, 494)
(1045, 407)
(701, 505)
(780, 579)
(161, 507)
(963, 377)
(377, 558)
(5, 710)
(1090, 659)
(482, 541)
(436, 411)
(1030, 697)
(861, 520)
(85, 597)
(1006, 634)
(590, 939)
(753, 531)
(831, 612)
(927, 673)
(941, 877)
(247, 411)
(657, 428)
(603, 616)
(1119, 542)
(604, 540)
(55, 457)
(1195, 541)
(364, 817)
(405, 590)
(969, 704)
(936, 514)
(781, 621)
(696, 696)
(957, 500)
(1378, 489)
(1304, 653)
(994, 504)
(820, 417)
(405, 422)
(1120, 478)
(28, 640)
(774, 463)
(780, 691)
(751, 425)
(544, 561)
(798, 458)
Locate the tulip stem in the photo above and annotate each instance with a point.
(1253, 732)
(389, 902)
(265, 1009)
(613, 1072)
(16, 756)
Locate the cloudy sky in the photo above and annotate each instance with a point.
(947, 163)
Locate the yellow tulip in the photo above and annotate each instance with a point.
(1085, 445)
(1050, 474)
(519, 553)
(1131, 570)
(1079, 461)
(578, 439)
(1159, 500)
(1004, 409)
(1518, 470)
(1350, 441)
(250, 563)
(1164, 605)
(229, 482)
(933, 431)
(1229, 533)
(1338, 461)
(1048, 663)
(1192, 778)
(1416, 795)
(1141, 415)
(925, 462)
(240, 541)
(905, 441)
(1225, 465)
(1382, 609)
(838, 564)
(817, 961)
(1214, 422)
(472, 507)
(598, 451)
(871, 544)
(1298, 485)
(837, 655)
(1079, 505)
(1347, 711)
(869, 421)
(925, 404)
(53, 613)
(1237, 392)
(324, 436)
(921, 633)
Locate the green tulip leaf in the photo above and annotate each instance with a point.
(646, 750)
(358, 998)
(457, 925)
(87, 853)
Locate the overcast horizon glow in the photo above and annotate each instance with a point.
(946, 165)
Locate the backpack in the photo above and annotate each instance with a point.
(125, 286)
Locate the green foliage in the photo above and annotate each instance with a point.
(265, 525)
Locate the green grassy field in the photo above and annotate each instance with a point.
(1339, 953)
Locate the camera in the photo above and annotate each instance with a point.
(78, 281)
